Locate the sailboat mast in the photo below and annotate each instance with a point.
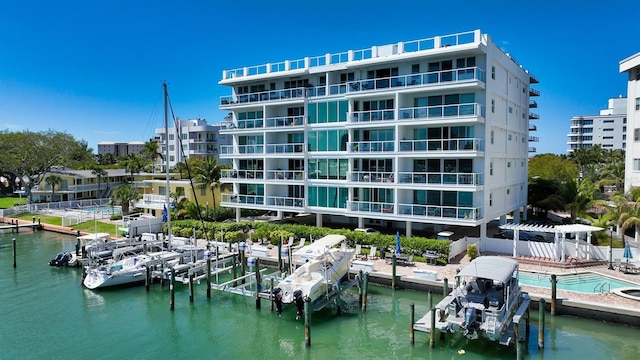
(166, 164)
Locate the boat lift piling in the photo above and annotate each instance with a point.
(208, 257)
(14, 253)
(554, 282)
(172, 293)
(445, 287)
(413, 319)
(432, 333)
(307, 321)
(393, 271)
(541, 323)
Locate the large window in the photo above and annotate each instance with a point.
(328, 197)
(328, 112)
(333, 169)
(328, 140)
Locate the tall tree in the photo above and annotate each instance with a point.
(124, 195)
(208, 175)
(151, 151)
(81, 156)
(132, 164)
(53, 180)
(99, 173)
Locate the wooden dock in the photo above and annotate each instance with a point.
(33, 226)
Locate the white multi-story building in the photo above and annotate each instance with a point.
(609, 129)
(120, 149)
(631, 66)
(414, 135)
(192, 138)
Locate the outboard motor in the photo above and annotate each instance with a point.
(65, 259)
(299, 301)
(56, 260)
(277, 298)
(470, 323)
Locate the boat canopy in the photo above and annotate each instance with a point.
(491, 267)
(320, 246)
(94, 236)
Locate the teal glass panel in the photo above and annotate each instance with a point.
(313, 196)
(323, 169)
(467, 98)
(322, 113)
(333, 169)
(332, 140)
(322, 141)
(449, 198)
(313, 116)
(343, 108)
(344, 167)
(343, 197)
(420, 197)
(465, 199)
(313, 141)
(333, 197)
(344, 137)
(333, 112)
(433, 197)
(322, 196)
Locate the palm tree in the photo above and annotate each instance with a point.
(53, 180)
(574, 197)
(99, 173)
(151, 150)
(132, 164)
(181, 167)
(123, 196)
(208, 174)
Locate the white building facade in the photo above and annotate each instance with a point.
(191, 138)
(631, 66)
(609, 129)
(120, 149)
(417, 135)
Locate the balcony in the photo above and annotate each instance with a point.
(413, 80)
(285, 121)
(442, 111)
(232, 174)
(285, 175)
(533, 104)
(263, 96)
(532, 127)
(241, 149)
(371, 116)
(533, 116)
(371, 207)
(286, 202)
(440, 212)
(533, 92)
(242, 199)
(438, 178)
(534, 139)
(295, 148)
(372, 146)
(371, 177)
(468, 144)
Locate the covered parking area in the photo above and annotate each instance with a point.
(559, 233)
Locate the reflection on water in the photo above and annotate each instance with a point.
(229, 326)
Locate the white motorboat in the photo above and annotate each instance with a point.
(125, 271)
(484, 303)
(323, 265)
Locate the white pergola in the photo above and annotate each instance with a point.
(559, 232)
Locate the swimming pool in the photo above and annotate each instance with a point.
(586, 282)
(104, 209)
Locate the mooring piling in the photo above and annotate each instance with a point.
(14, 252)
(413, 320)
(554, 282)
(172, 293)
(541, 314)
(307, 321)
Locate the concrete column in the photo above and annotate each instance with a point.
(237, 214)
(360, 222)
(319, 220)
(409, 229)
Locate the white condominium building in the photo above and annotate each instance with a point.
(609, 129)
(415, 135)
(631, 66)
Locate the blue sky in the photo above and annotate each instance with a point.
(94, 69)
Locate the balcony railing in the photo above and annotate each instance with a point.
(441, 111)
(437, 211)
(372, 146)
(242, 174)
(285, 148)
(256, 97)
(243, 199)
(371, 116)
(407, 81)
(371, 207)
(285, 121)
(371, 177)
(285, 175)
(241, 149)
(440, 178)
(284, 201)
(468, 144)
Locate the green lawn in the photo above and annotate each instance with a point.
(88, 226)
(8, 201)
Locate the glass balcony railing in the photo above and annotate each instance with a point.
(371, 207)
(287, 202)
(371, 177)
(371, 116)
(285, 175)
(372, 146)
(439, 211)
(421, 79)
(285, 121)
(441, 111)
(285, 148)
(270, 95)
(438, 178)
(230, 174)
(466, 144)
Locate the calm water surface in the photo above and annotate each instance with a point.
(47, 314)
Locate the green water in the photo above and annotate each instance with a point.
(46, 314)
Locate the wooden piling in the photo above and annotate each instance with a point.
(430, 299)
(360, 286)
(172, 294)
(191, 287)
(445, 287)
(233, 264)
(413, 320)
(147, 277)
(554, 282)
(393, 271)
(209, 277)
(258, 281)
(432, 333)
(519, 342)
(365, 291)
(33, 224)
(307, 321)
(14, 252)
(541, 322)
(280, 255)
(272, 298)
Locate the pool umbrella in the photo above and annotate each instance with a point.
(165, 213)
(627, 252)
(398, 242)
